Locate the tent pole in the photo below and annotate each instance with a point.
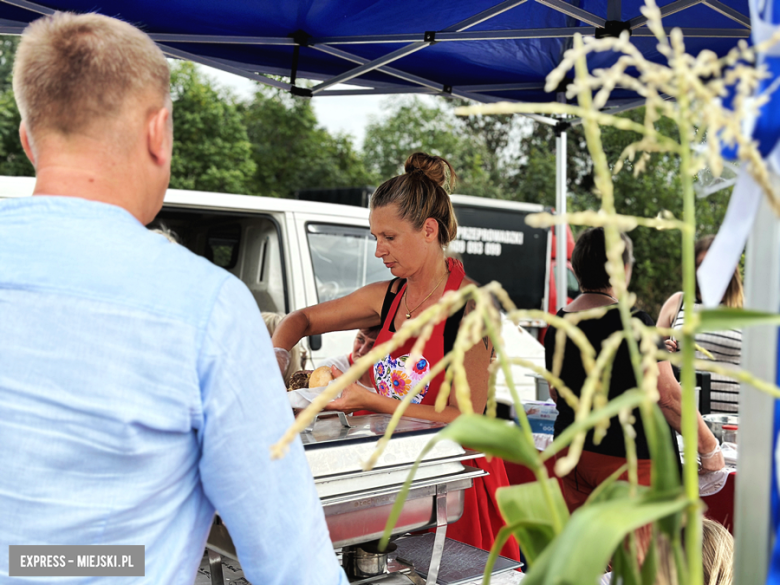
(752, 509)
(560, 230)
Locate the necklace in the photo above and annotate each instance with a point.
(409, 312)
(598, 292)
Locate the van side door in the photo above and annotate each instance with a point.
(337, 258)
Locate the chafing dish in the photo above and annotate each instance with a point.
(357, 503)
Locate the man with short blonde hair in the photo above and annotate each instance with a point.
(76, 72)
(138, 384)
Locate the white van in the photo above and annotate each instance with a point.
(293, 254)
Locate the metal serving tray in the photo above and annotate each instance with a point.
(357, 503)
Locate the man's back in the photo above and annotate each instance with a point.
(139, 391)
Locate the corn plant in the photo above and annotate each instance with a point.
(577, 548)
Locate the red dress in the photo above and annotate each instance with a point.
(481, 518)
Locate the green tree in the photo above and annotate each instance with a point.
(411, 125)
(13, 161)
(292, 151)
(211, 151)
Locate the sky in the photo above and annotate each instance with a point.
(345, 115)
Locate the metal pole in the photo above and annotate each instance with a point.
(560, 230)
(753, 540)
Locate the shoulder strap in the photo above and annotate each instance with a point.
(389, 298)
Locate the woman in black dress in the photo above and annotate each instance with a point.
(599, 461)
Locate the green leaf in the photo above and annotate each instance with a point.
(665, 473)
(630, 399)
(493, 436)
(650, 566)
(580, 554)
(724, 318)
(623, 567)
(526, 507)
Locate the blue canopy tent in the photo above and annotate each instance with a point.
(482, 50)
(474, 49)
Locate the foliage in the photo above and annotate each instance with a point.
(13, 161)
(291, 151)
(211, 150)
(474, 146)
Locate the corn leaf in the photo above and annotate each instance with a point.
(650, 566)
(623, 567)
(489, 435)
(731, 318)
(526, 507)
(665, 473)
(580, 554)
(494, 437)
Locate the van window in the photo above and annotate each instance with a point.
(222, 246)
(343, 259)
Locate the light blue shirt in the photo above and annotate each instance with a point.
(139, 392)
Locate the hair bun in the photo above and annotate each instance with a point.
(435, 168)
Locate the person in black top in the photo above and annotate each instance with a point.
(599, 461)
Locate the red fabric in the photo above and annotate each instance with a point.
(720, 506)
(481, 518)
(591, 470)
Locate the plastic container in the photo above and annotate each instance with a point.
(730, 433)
(541, 415)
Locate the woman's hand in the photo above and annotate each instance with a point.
(353, 398)
(671, 345)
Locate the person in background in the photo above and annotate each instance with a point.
(138, 384)
(413, 222)
(364, 342)
(717, 548)
(167, 233)
(725, 347)
(598, 462)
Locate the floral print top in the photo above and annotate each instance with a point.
(394, 381)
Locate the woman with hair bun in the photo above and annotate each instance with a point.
(413, 222)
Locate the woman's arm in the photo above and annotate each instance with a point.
(355, 398)
(670, 402)
(360, 309)
(667, 311)
(666, 317)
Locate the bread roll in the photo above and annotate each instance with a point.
(320, 377)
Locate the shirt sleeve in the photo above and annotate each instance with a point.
(270, 508)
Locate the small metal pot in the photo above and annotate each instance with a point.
(365, 560)
(716, 421)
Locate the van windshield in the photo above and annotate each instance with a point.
(343, 259)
